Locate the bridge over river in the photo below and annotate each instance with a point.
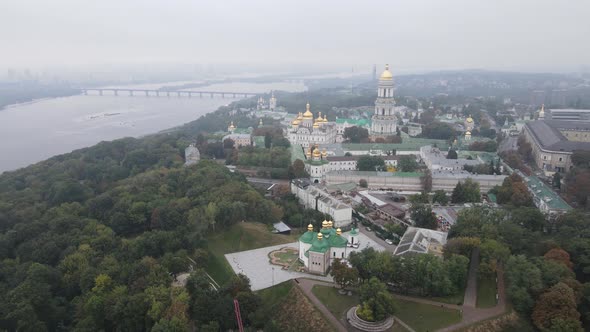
(162, 93)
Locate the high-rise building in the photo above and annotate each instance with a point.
(384, 121)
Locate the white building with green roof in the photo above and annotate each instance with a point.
(317, 250)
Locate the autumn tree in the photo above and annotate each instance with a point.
(558, 303)
(560, 256)
(343, 274)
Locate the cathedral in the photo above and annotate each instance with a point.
(384, 121)
(307, 131)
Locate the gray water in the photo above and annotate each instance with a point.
(36, 131)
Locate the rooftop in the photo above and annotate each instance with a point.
(543, 192)
(381, 174)
(546, 133)
(408, 144)
(421, 241)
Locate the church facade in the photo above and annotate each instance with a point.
(318, 250)
(384, 120)
(308, 131)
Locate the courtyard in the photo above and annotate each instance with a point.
(256, 265)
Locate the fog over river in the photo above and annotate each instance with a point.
(36, 131)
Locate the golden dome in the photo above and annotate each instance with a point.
(330, 224)
(469, 119)
(467, 133)
(319, 118)
(324, 223)
(317, 153)
(316, 125)
(295, 122)
(231, 126)
(386, 74)
(325, 118)
(310, 228)
(307, 114)
(300, 116)
(320, 236)
(338, 231)
(324, 153)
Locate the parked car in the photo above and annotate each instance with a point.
(388, 241)
(368, 229)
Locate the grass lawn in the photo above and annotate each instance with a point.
(451, 299)
(240, 237)
(274, 295)
(425, 317)
(337, 304)
(486, 291)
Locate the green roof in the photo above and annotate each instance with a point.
(542, 191)
(242, 131)
(408, 144)
(492, 198)
(387, 174)
(359, 122)
(329, 239)
(307, 237)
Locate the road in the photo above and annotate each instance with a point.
(372, 236)
(508, 143)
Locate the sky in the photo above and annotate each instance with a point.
(412, 34)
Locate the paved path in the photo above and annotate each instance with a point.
(470, 298)
(470, 313)
(307, 284)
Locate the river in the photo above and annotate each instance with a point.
(36, 131)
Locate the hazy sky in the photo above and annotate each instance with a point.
(505, 34)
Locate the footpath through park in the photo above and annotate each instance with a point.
(469, 312)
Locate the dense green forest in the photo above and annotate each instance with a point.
(92, 240)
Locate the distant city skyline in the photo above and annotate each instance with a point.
(412, 36)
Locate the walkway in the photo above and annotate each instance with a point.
(470, 313)
(307, 284)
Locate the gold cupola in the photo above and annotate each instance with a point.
(324, 153)
(231, 126)
(310, 228)
(320, 236)
(295, 122)
(330, 224)
(307, 114)
(317, 153)
(338, 231)
(325, 118)
(300, 116)
(469, 119)
(386, 74)
(325, 224)
(319, 118)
